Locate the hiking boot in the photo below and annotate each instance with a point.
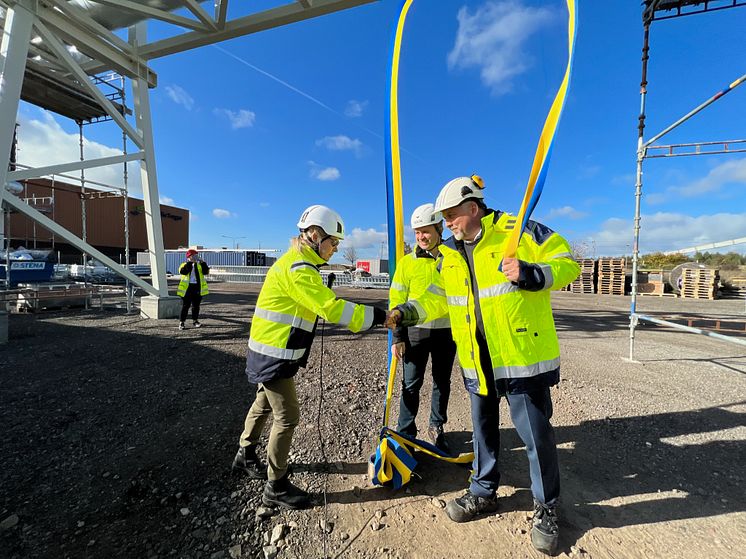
(545, 532)
(198, 324)
(284, 494)
(466, 507)
(182, 326)
(248, 462)
(438, 438)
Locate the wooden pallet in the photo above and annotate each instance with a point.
(651, 288)
(699, 283)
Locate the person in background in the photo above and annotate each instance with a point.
(192, 287)
(283, 327)
(501, 317)
(413, 346)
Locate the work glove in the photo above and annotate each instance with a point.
(393, 319)
(379, 316)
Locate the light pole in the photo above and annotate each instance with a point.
(234, 240)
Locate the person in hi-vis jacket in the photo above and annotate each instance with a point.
(507, 345)
(413, 346)
(283, 327)
(192, 287)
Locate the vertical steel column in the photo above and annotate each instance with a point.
(638, 188)
(83, 216)
(125, 177)
(148, 177)
(14, 45)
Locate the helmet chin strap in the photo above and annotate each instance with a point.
(316, 246)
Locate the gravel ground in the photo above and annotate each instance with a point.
(119, 433)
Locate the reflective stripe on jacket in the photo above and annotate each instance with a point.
(184, 281)
(414, 275)
(284, 323)
(518, 323)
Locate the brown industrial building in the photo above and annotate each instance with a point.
(61, 202)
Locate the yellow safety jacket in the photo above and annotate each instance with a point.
(184, 282)
(516, 320)
(414, 275)
(284, 323)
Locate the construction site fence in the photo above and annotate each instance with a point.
(256, 274)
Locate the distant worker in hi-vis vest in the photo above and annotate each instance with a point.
(413, 346)
(507, 345)
(283, 327)
(192, 287)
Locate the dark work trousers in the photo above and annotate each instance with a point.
(530, 413)
(193, 298)
(422, 344)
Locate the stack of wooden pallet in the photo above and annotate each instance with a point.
(736, 289)
(699, 283)
(585, 282)
(650, 283)
(611, 276)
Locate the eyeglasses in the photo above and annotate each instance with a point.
(335, 241)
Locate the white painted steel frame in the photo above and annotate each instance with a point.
(14, 45)
(642, 154)
(59, 22)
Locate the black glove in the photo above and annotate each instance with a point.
(379, 316)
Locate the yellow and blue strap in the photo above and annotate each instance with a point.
(546, 140)
(395, 212)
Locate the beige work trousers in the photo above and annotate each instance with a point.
(276, 397)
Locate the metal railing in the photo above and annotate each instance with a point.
(256, 274)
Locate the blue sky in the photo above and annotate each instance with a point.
(252, 131)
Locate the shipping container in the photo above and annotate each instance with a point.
(213, 257)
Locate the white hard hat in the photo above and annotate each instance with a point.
(14, 187)
(323, 217)
(458, 190)
(425, 215)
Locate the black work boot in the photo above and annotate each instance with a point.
(545, 532)
(466, 507)
(284, 494)
(246, 461)
(438, 438)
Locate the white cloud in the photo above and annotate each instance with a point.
(355, 108)
(730, 172)
(166, 200)
(566, 211)
(179, 96)
(264, 204)
(668, 231)
(365, 238)
(327, 174)
(43, 142)
(492, 38)
(242, 118)
(324, 173)
(341, 143)
(193, 216)
(220, 213)
(655, 198)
